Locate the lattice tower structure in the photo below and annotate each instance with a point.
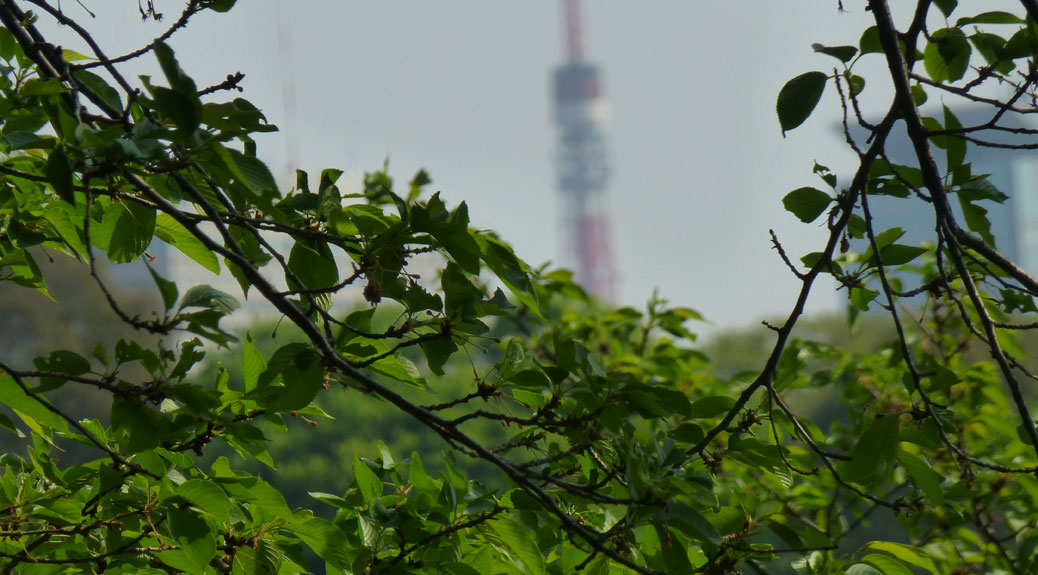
(582, 163)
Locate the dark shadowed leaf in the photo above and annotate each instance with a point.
(874, 454)
(946, 6)
(209, 297)
(841, 53)
(711, 406)
(798, 99)
(806, 203)
(59, 174)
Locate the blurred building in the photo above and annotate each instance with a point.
(1014, 172)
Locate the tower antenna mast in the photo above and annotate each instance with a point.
(582, 162)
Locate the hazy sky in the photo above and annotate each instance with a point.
(461, 88)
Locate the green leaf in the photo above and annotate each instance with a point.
(217, 5)
(1013, 300)
(327, 540)
(994, 17)
(798, 99)
(513, 360)
(34, 412)
(946, 6)
(59, 174)
(170, 231)
(99, 86)
(874, 453)
(898, 254)
(206, 496)
(38, 87)
(993, 49)
(887, 565)
(510, 269)
(688, 433)
(301, 372)
(313, 263)
(399, 368)
(530, 379)
(70, 232)
(863, 569)
(253, 173)
(367, 482)
(125, 231)
(61, 361)
(192, 535)
(869, 42)
(183, 111)
(947, 55)
(712, 406)
(252, 365)
(673, 552)
(208, 297)
(977, 219)
(437, 352)
(856, 83)
(906, 553)
(8, 45)
(841, 53)
(417, 477)
(692, 523)
(806, 203)
(175, 75)
(928, 480)
(520, 545)
(955, 148)
(918, 95)
(24, 267)
(136, 427)
(167, 288)
(8, 423)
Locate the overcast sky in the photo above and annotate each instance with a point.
(461, 88)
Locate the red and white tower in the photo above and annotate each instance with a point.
(582, 163)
